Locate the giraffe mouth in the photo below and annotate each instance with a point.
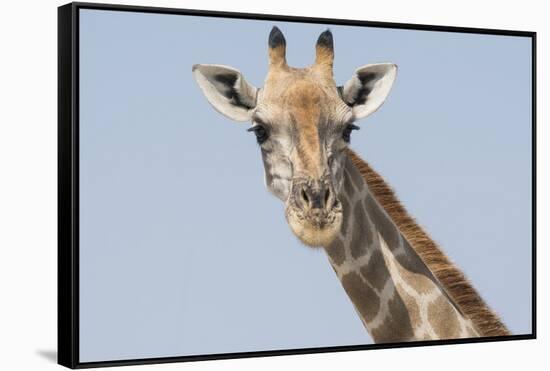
(315, 227)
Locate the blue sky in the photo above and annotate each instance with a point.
(183, 251)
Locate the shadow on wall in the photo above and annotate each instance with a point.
(50, 355)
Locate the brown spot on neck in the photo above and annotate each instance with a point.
(443, 319)
(397, 325)
(369, 303)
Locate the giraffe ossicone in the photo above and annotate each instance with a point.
(402, 286)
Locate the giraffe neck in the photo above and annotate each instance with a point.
(395, 294)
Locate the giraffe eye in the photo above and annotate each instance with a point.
(260, 132)
(346, 134)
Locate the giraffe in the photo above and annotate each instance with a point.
(400, 283)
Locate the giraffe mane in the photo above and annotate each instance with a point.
(453, 280)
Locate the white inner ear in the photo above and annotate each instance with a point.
(226, 90)
(368, 88)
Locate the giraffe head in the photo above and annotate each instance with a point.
(302, 122)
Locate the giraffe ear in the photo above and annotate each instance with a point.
(368, 88)
(226, 90)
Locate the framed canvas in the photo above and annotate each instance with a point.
(218, 200)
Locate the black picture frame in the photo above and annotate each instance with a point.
(68, 181)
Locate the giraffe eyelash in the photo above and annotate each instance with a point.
(261, 132)
(346, 133)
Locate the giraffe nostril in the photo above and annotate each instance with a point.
(317, 196)
(304, 197)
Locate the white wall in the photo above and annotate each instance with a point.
(28, 153)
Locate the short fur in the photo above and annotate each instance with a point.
(453, 280)
(325, 52)
(277, 48)
(325, 40)
(276, 38)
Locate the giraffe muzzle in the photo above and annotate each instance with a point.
(313, 211)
